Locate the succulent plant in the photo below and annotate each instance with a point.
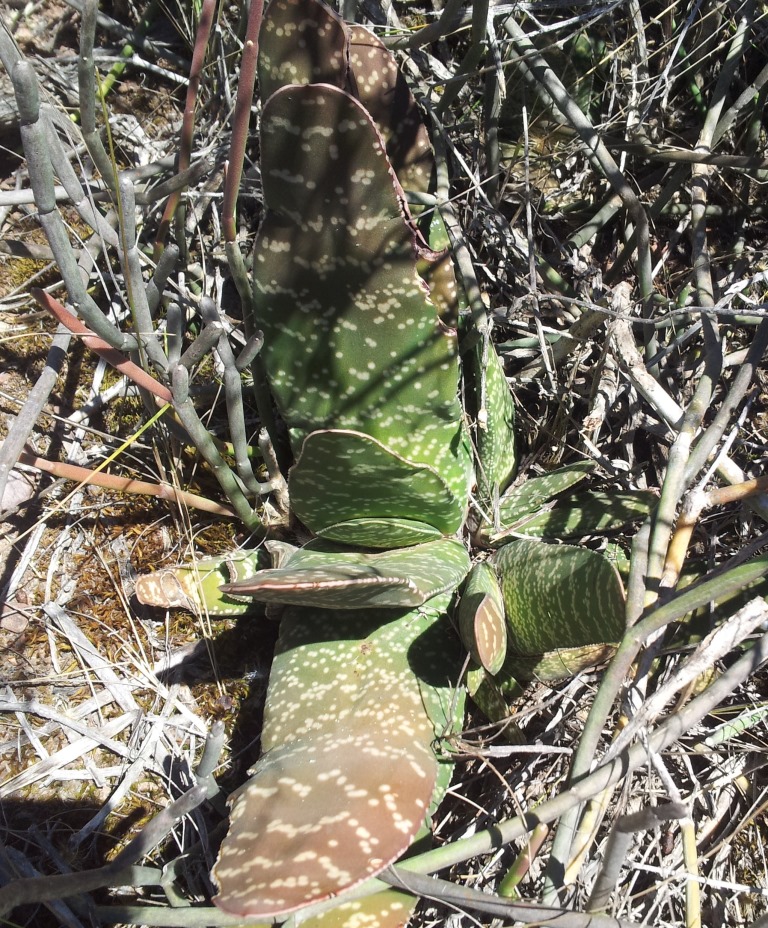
(362, 351)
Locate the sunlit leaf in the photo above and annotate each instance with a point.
(349, 487)
(481, 620)
(590, 513)
(198, 586)
(564, 607)
(348, 771)
(403, 577)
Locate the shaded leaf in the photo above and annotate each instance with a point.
(383, 91)
(301, 42)
(352, 341)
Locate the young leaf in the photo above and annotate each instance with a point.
(493, 409)
(592, 512)
(523, 500)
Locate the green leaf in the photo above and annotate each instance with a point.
(481, 621)
(589, 513)
(383, 91)
(564, 607)
(493, 409)
(348, 772)
(301, 42)
(197, 587)
(346, 580)
(351, 339)
(349, 487)
(388, 909)
(521, 501)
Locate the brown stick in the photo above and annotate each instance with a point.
(84, 475)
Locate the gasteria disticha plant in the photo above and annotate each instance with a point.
(365, 348)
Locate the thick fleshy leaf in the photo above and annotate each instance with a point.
(481, 620)
(346, 580)
(345, 479)
(348, 771)
(197, 587)
(493, 410)
(352, 341)
(383, 91)
(301, 42)
(558, 599)
(558, 664)
(306, 42)
(524, 500)
(593, 512)
(388, 909)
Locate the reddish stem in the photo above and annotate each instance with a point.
(241, 119)
(188, 122)
(112, 356)
(85, 475)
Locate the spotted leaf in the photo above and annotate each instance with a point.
(347, 580)
(564, 607)
(387, 909)
(520, 503)
(301, 42)
(306, 42)
(481, 620)
(592, 512)
(351, 339)
(349, 487)
(198, 586)
(383, 91)
(493, 409)
(348, 771)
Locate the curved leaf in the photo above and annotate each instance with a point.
(198, 586)
(351, 339)
(345, 479)
(520, 502)
(383, 91)
(388, 909)
(301, 42)
(481, 620)
(592, 512)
